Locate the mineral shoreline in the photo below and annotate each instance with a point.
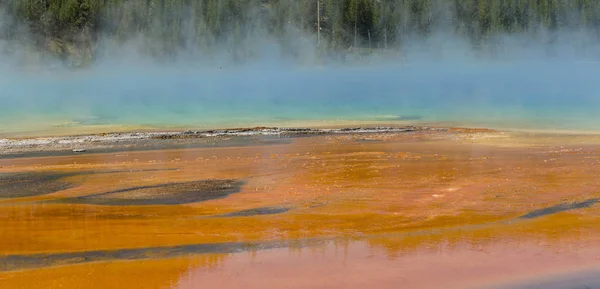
(106, 142)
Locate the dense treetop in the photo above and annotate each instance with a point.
(68, 27)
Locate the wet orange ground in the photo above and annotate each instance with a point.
(392, 209)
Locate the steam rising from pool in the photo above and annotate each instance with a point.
(438, 80)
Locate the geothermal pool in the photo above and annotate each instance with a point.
(420, 207)
(553, 95)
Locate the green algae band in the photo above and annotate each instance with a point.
(164, 194)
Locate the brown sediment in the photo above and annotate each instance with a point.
(399, 192)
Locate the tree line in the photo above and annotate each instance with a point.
(171, 26)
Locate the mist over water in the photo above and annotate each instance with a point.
(442, 80)
(548, 95)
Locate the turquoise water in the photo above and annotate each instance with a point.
(538, 95)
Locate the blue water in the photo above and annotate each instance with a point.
(540, 95)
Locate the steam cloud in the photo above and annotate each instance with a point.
(546, 80)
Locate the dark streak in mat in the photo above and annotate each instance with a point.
(128, 171)
(256, 212)
(20, 185)
(164, 194)
(29, 184)
(560, 208)
(33, 261)
(366, 140)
